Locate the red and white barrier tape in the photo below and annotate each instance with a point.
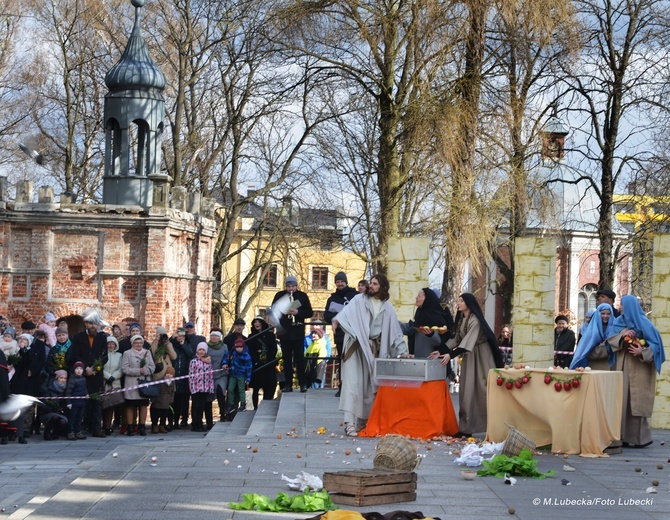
(119, 390)
(562, 352)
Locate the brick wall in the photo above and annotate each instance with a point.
(157, 269)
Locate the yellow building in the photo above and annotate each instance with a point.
(635, 211)
(275, 243)
(642, 216)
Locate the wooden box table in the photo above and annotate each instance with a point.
(582, 421)
(366, 487)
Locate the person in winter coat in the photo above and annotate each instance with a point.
(76, 387)
(182, 394)
(316, 356)
(161, 405)
(262, 345)
(201, 384)
(338, 300)
(163, 353)
(239, 366)
(49, 328)
(112, 373)
(90, 347)
(8, 344)
(57, 358)
(137, 363)
(218, 351)
(54, 419)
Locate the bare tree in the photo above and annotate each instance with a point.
(65, 90)
(612, 88)
(393, 52)
(527, 42)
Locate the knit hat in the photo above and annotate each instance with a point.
(49, 317)
(318, 331)
(341, 276)
(112, 339)
(169, 370)
(27, 337)
(78, 364)
(216, 333)
(10, 331)
(160, 330)
(59, 373)
(133, 325)
(561, 317)
(239, 342)
(28, 325)
(136, 336)
(291, 279)
(239, 321)
(202, 345)
(62, 330)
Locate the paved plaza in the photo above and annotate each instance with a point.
(196, 475)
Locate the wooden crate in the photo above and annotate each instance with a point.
(367, 487)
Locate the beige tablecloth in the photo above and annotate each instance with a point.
(583, 421)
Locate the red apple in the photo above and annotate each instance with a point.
(509, 385)
(567, 386)
(518, 383)
(525, 380)
(575, 383)
(547, 380)
(500, 381)
(558, 386)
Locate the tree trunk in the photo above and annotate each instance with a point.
(463, 157)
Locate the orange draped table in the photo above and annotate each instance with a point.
(582, 421)
(422, 412)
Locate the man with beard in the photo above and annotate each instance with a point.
(90, 347)
(292, 336)
(371, 330)
(337, 301)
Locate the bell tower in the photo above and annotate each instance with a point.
(134, 112)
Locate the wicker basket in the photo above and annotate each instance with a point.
(396, 452)
(515, 442)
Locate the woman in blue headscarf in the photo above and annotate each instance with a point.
(639, 355)
(592, 349)
(587, 320)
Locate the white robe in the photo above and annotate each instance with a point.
(359, 322)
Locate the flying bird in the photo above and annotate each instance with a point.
(33, 154)
(15, 405)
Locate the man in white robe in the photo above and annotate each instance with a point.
(371, 330)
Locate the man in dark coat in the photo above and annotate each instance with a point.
(182, 394)
(192, 338)
(337, 301)
(564, 340)
(90, 347)
(292, 336)
(237, 333)
(607, 296)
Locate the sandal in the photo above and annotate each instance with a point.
(350, 430)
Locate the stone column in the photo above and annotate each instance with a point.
(407, 273)
(24, 191)
(161, 187)
(534, 299)
(660, 305)
(45, 195)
